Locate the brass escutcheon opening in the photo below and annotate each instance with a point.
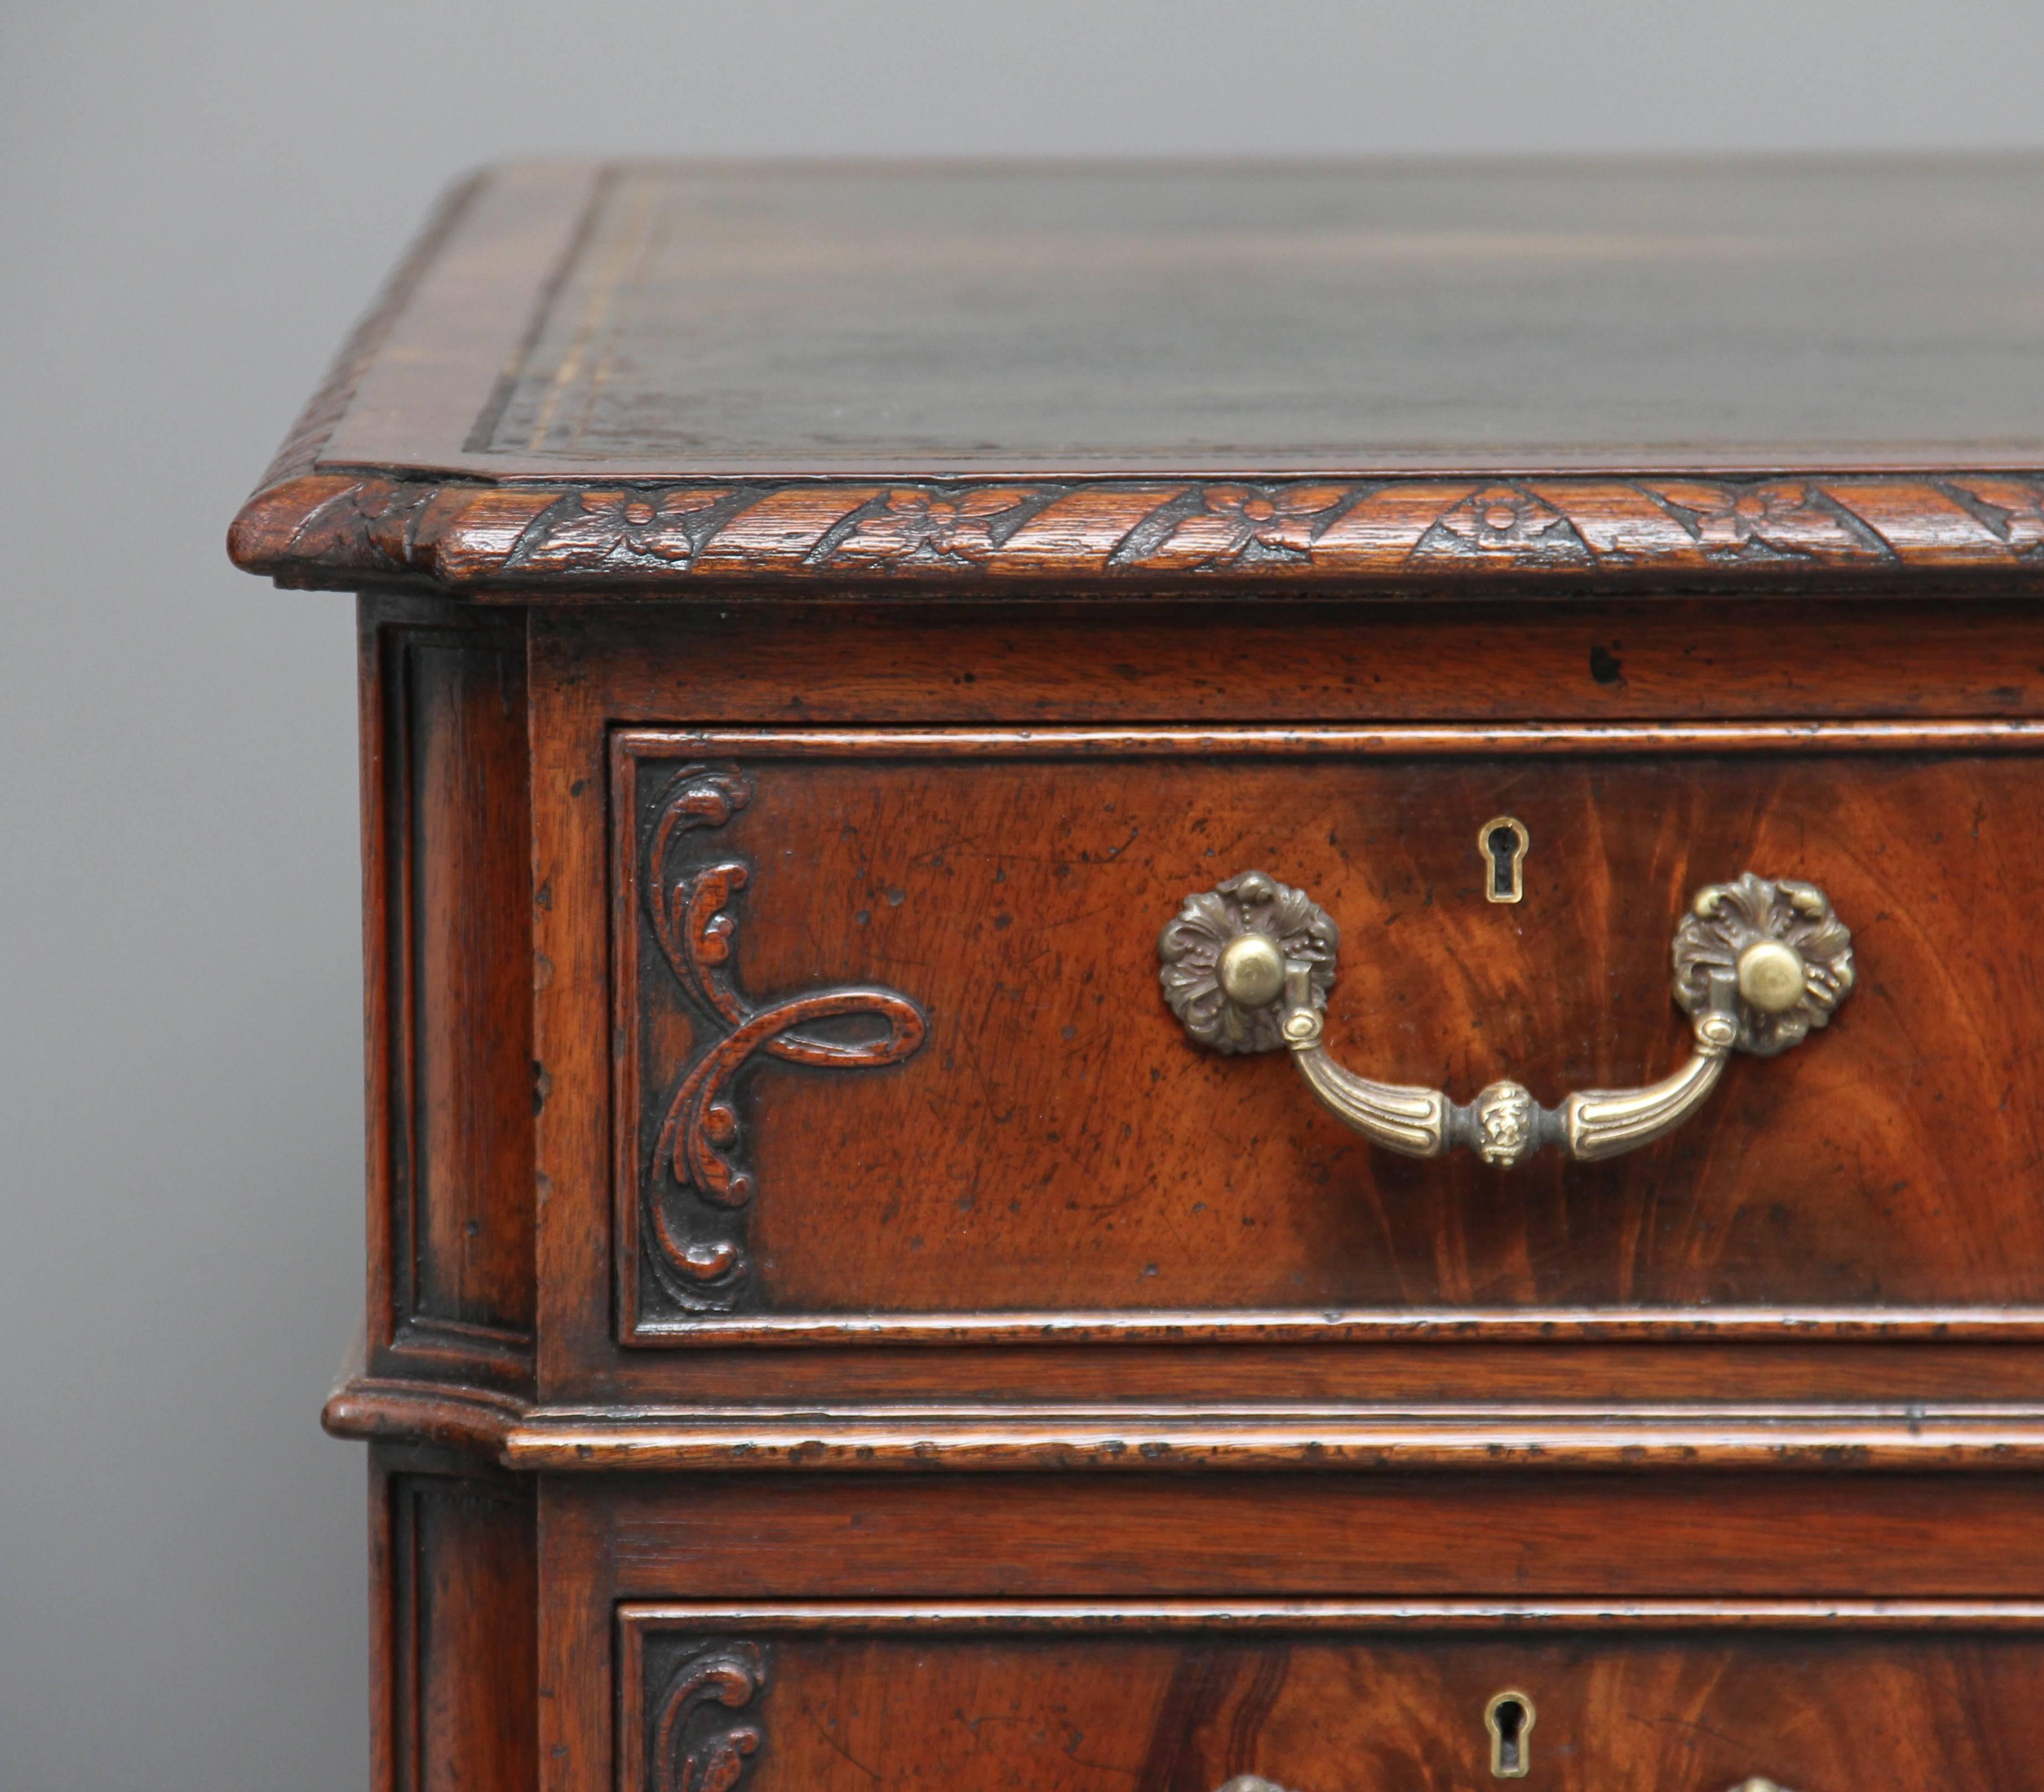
(1501, 843)
(1509, 1717)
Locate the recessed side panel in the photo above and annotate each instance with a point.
(454, 1666)
(448, 890)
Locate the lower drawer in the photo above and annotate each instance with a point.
(1135, 1699)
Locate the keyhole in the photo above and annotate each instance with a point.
(1503, 851)
(1509, 1719)
(1502, 843)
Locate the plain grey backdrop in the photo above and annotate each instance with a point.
(197, 199)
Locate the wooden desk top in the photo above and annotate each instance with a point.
(955, 373)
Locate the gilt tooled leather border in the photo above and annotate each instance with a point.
(338, 530)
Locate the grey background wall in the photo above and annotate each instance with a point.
(196, 200)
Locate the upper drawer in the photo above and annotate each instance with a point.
(891, 1058)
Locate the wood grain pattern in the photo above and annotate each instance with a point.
(448, 977)
(1405, 1571)
(1022, 921)
(576, 542)
(300, 452)
(1187, 663)
(1948, 1364)
(455, 1630)
(1473, 1535)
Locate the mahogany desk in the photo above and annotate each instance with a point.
(1177, 972)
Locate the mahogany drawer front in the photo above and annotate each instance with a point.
(1101, 1698)
(1016, 1131)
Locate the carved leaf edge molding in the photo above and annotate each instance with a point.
(690, 914)
(342, 527)
(703, 1735)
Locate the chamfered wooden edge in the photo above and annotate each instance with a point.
(560, 539)
(315, 424)
(1802, 1438)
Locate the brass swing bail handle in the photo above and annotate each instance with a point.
(1758, 963)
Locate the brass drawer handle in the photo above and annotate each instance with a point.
(1247, 966)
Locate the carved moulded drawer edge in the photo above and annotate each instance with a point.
(520, 1435)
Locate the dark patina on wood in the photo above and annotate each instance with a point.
(337, 530)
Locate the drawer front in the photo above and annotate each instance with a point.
(893, 1058)
(1105, 1699)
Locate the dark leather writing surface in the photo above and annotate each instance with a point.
(1344, 317)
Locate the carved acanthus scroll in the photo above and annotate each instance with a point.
(704, 1733)
(689, 911)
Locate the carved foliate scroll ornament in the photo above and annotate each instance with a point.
(704, 1734)
(1202, 961)
(1791, 956)
(690, 908)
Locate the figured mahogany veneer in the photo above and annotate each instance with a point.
(1053, 1156)
(1082, 1701)
(828, 1326)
